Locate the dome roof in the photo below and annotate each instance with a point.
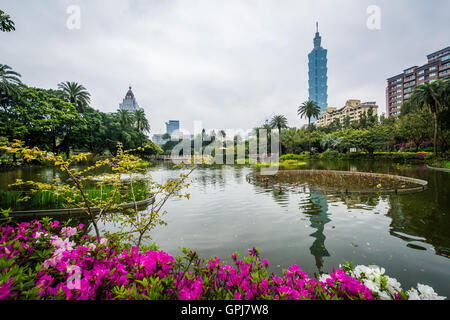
(130, 94)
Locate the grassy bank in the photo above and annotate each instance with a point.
(392, 156)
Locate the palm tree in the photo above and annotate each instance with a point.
(431, 95)
(9, 80)
(125, 118)
(279, 122)
(141, 121)
(309, 109)
(6, 24)
(76, 94)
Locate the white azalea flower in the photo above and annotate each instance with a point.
(324, 277)
(384, 295)
(373, 278)
(427, 293)
(359, 270)
(372, 286)
(376, 270)
(413, 295)
(393, 286)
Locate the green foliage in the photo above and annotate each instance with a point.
(41, 118)
(291, 140)
(308, 110)
(330, 142)
(62, 120)
(433, 96)
(302, 156)
(109, 189)
(329, 154)
(414, 127)
(6, 24)
(286, 164)
(76, 94)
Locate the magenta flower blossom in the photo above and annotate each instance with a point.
(5, 289)
(74, 268)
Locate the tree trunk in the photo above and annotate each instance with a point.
(436, 128)
(279, 141)
(309, 136)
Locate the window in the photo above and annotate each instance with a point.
(432, 74)
(445, 58)
(432, 68)
(409, 71)
(421, 72)
(421, 78)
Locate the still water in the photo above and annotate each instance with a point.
(408, 235)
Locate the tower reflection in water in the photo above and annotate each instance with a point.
(318, 216)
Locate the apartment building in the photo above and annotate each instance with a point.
(353, 109)
(400, 87)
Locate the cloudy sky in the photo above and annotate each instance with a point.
(228, 63)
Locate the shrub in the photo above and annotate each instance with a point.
(302, 156)
(45, 260)
(330, 154)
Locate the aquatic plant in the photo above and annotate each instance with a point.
(109, 188)
(44, 199)
(286, 164)
(338, 180)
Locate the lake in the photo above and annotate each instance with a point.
(408, 234)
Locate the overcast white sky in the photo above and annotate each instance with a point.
(230, 64)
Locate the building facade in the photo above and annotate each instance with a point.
(129, 102)
(317, 74)
(172, 126)
(400, 87)
(353, 109)
(158, 139)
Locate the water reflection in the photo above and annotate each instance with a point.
(410, 220)
(318, 216)
(307, 227)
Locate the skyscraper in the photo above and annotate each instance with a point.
(172, 126)
(317, 75)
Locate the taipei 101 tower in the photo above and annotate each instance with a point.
(317, 74)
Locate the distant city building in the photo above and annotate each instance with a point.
(158, 139)
(129, 103)
(317, 74)
(172, 126)
(399, 88)
(352, 109)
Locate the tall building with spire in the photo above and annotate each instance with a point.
(129, 103)
(317, 74)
